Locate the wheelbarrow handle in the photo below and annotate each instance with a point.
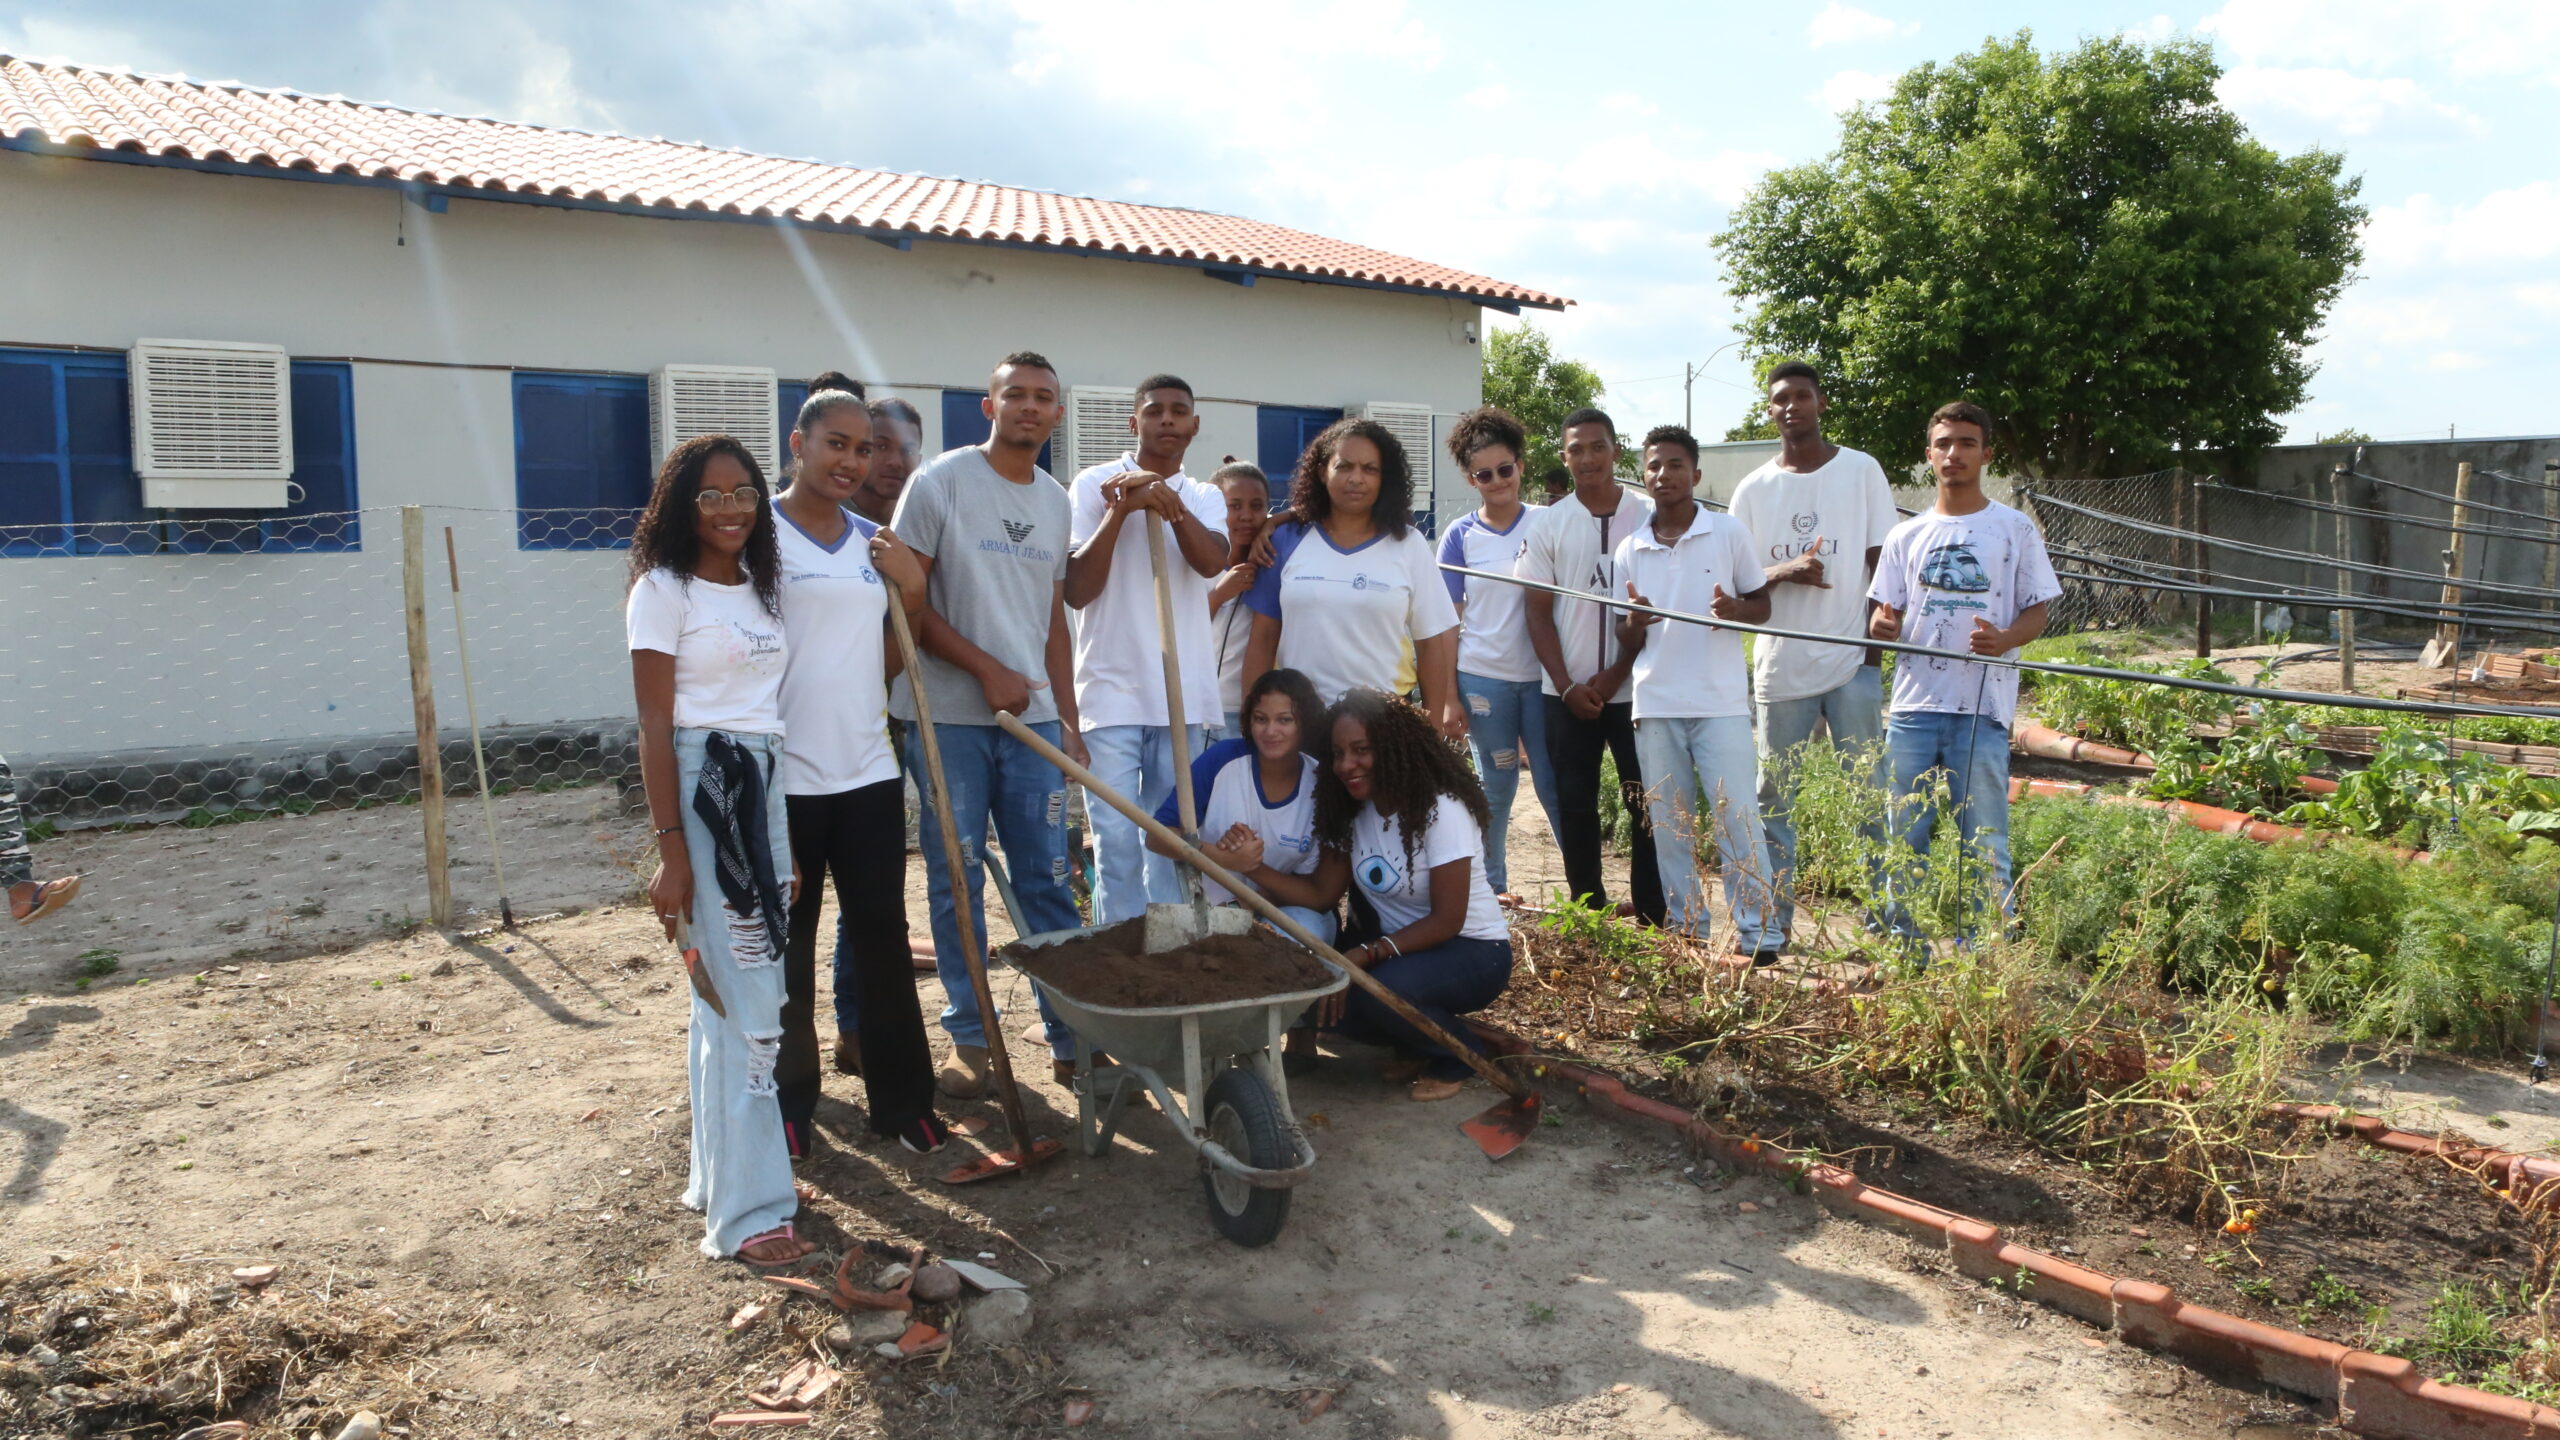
(1244, 891)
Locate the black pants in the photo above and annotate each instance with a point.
(1574, 746)
(860, 837)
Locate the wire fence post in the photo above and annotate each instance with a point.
(2551, 513)
(422, 695)
(2344, 619)
(2194, 494)
(2446, 648)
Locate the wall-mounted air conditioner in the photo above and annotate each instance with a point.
(1097, 427)
(212, 424)
(690, 400)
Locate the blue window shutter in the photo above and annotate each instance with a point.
(324, 464)
(789, 396)
(35, 477)
(965, 423)
(1282, 434)
(582, 460)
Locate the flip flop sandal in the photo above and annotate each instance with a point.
(1426, 1090)
(782, 1231)
(52, 895)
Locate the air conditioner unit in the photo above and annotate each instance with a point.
(1411, 425)
(686, 401)
(1097, 427)
(212, 424)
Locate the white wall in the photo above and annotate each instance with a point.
(434, 311)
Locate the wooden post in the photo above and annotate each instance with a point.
(2445, 648)
(2202, 567)
(422, 696)
(2345, 619)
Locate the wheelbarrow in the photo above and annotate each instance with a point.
(1252, 1149)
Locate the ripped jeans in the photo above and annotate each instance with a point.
(1507, 729)
(992, 774)
(741, 1178)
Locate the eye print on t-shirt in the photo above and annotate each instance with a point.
(1379, 875)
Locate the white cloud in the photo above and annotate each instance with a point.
(2472, 38)
(1490, 97)
(1840, 24)
(1850, 88)
(2514, 227)
(2343, 103)
(1625, 102)
(2449, 361)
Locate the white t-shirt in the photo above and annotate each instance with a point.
(1943, 572)
(1351, 617)
(1119, 647)
(729, 651)
(1848, 506)
(835, 706)
(1399, 887)
(1567, 545)
(1231, 631)
(1493, 641)
(1685, 671)
(1226, 785)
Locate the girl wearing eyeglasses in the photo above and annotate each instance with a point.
(707, 654)
(1497, 671)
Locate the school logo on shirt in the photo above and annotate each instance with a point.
(1360, 580)
(1379, 875)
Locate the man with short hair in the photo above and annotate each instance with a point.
(1570, 544)
(897, 440)
(990, 527)
(1806, 508)
(1120, 679)
(1968, 575)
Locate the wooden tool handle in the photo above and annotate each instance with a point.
(1187, 808)
(1253, 898)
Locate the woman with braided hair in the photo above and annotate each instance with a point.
(1400, 816)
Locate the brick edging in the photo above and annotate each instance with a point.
(2378, 1395)
(2529, 1176)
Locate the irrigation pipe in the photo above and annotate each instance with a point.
(2313, 600)
(2293, 557)
(2499, 532)
(2448, 500)
(2040, 667)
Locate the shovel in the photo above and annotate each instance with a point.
(1497, 1132)
(693, 970)
(1172, 926)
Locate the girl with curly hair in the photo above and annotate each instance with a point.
(1352, 594)
(1401, 817)
(707, 655)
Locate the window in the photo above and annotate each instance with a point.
(67, 484)
(1286, 431)
(789, 396)
(582, 460)
(964, 423)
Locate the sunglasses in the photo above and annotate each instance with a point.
(745, 497)
(1503, 471)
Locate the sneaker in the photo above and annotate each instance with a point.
(964, 1075)
(925, 1134)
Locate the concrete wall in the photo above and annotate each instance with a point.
(435, 312)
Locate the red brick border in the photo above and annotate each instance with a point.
(2535, 1174)
(2375, 1395)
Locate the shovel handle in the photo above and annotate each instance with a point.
(1184, 804)
(1244, 891)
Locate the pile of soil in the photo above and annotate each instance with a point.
(1111, 967)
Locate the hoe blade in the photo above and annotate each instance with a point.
(1502, 1129)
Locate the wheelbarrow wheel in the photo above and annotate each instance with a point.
(1242, 1116)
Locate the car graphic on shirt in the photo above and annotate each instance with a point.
(1952, 566)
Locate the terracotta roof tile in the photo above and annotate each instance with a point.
(70, 105)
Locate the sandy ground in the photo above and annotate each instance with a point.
(403, 1113)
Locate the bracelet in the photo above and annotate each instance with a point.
(670, 830)
(1390, 943)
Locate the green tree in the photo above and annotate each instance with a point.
(1523, 375)
(2343, 437)
(2089, 245)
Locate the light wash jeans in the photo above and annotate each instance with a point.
(741, 1172)
(1322, 922)
(1854, 713)
(1973, 751)
(1682, 757)
(1137, 761)
(1506, 726)
(993, 774)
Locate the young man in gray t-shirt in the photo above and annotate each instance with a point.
(992, 529)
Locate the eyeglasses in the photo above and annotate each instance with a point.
(745, 497)
(1503, 471)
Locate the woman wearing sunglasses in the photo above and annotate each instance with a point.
(1497, 671)
(707, 656)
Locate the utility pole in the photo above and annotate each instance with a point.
(1688, 409)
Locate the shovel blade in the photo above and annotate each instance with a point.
(1505, 1127)
(1001, 1162)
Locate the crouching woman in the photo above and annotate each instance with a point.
(707, 656)
(1400, 821)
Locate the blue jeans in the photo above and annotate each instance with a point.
(991, 774)
(1854, 713)
(741, 1166)
(1137, 761)
(1507, 725)
(1682, 759)
(1456, 977)
(1973, 752)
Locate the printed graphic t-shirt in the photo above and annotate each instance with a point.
(1848, 506)
(1943, 572)
(1493, 639)
(729, 652)
(1119, 646)
(1399, 886)
(1226, 785)
(835, 706)
(1351, 617)
(1567, 545)
(999, 552)
(1686, 671)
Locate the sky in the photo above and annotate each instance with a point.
(1590, 151)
